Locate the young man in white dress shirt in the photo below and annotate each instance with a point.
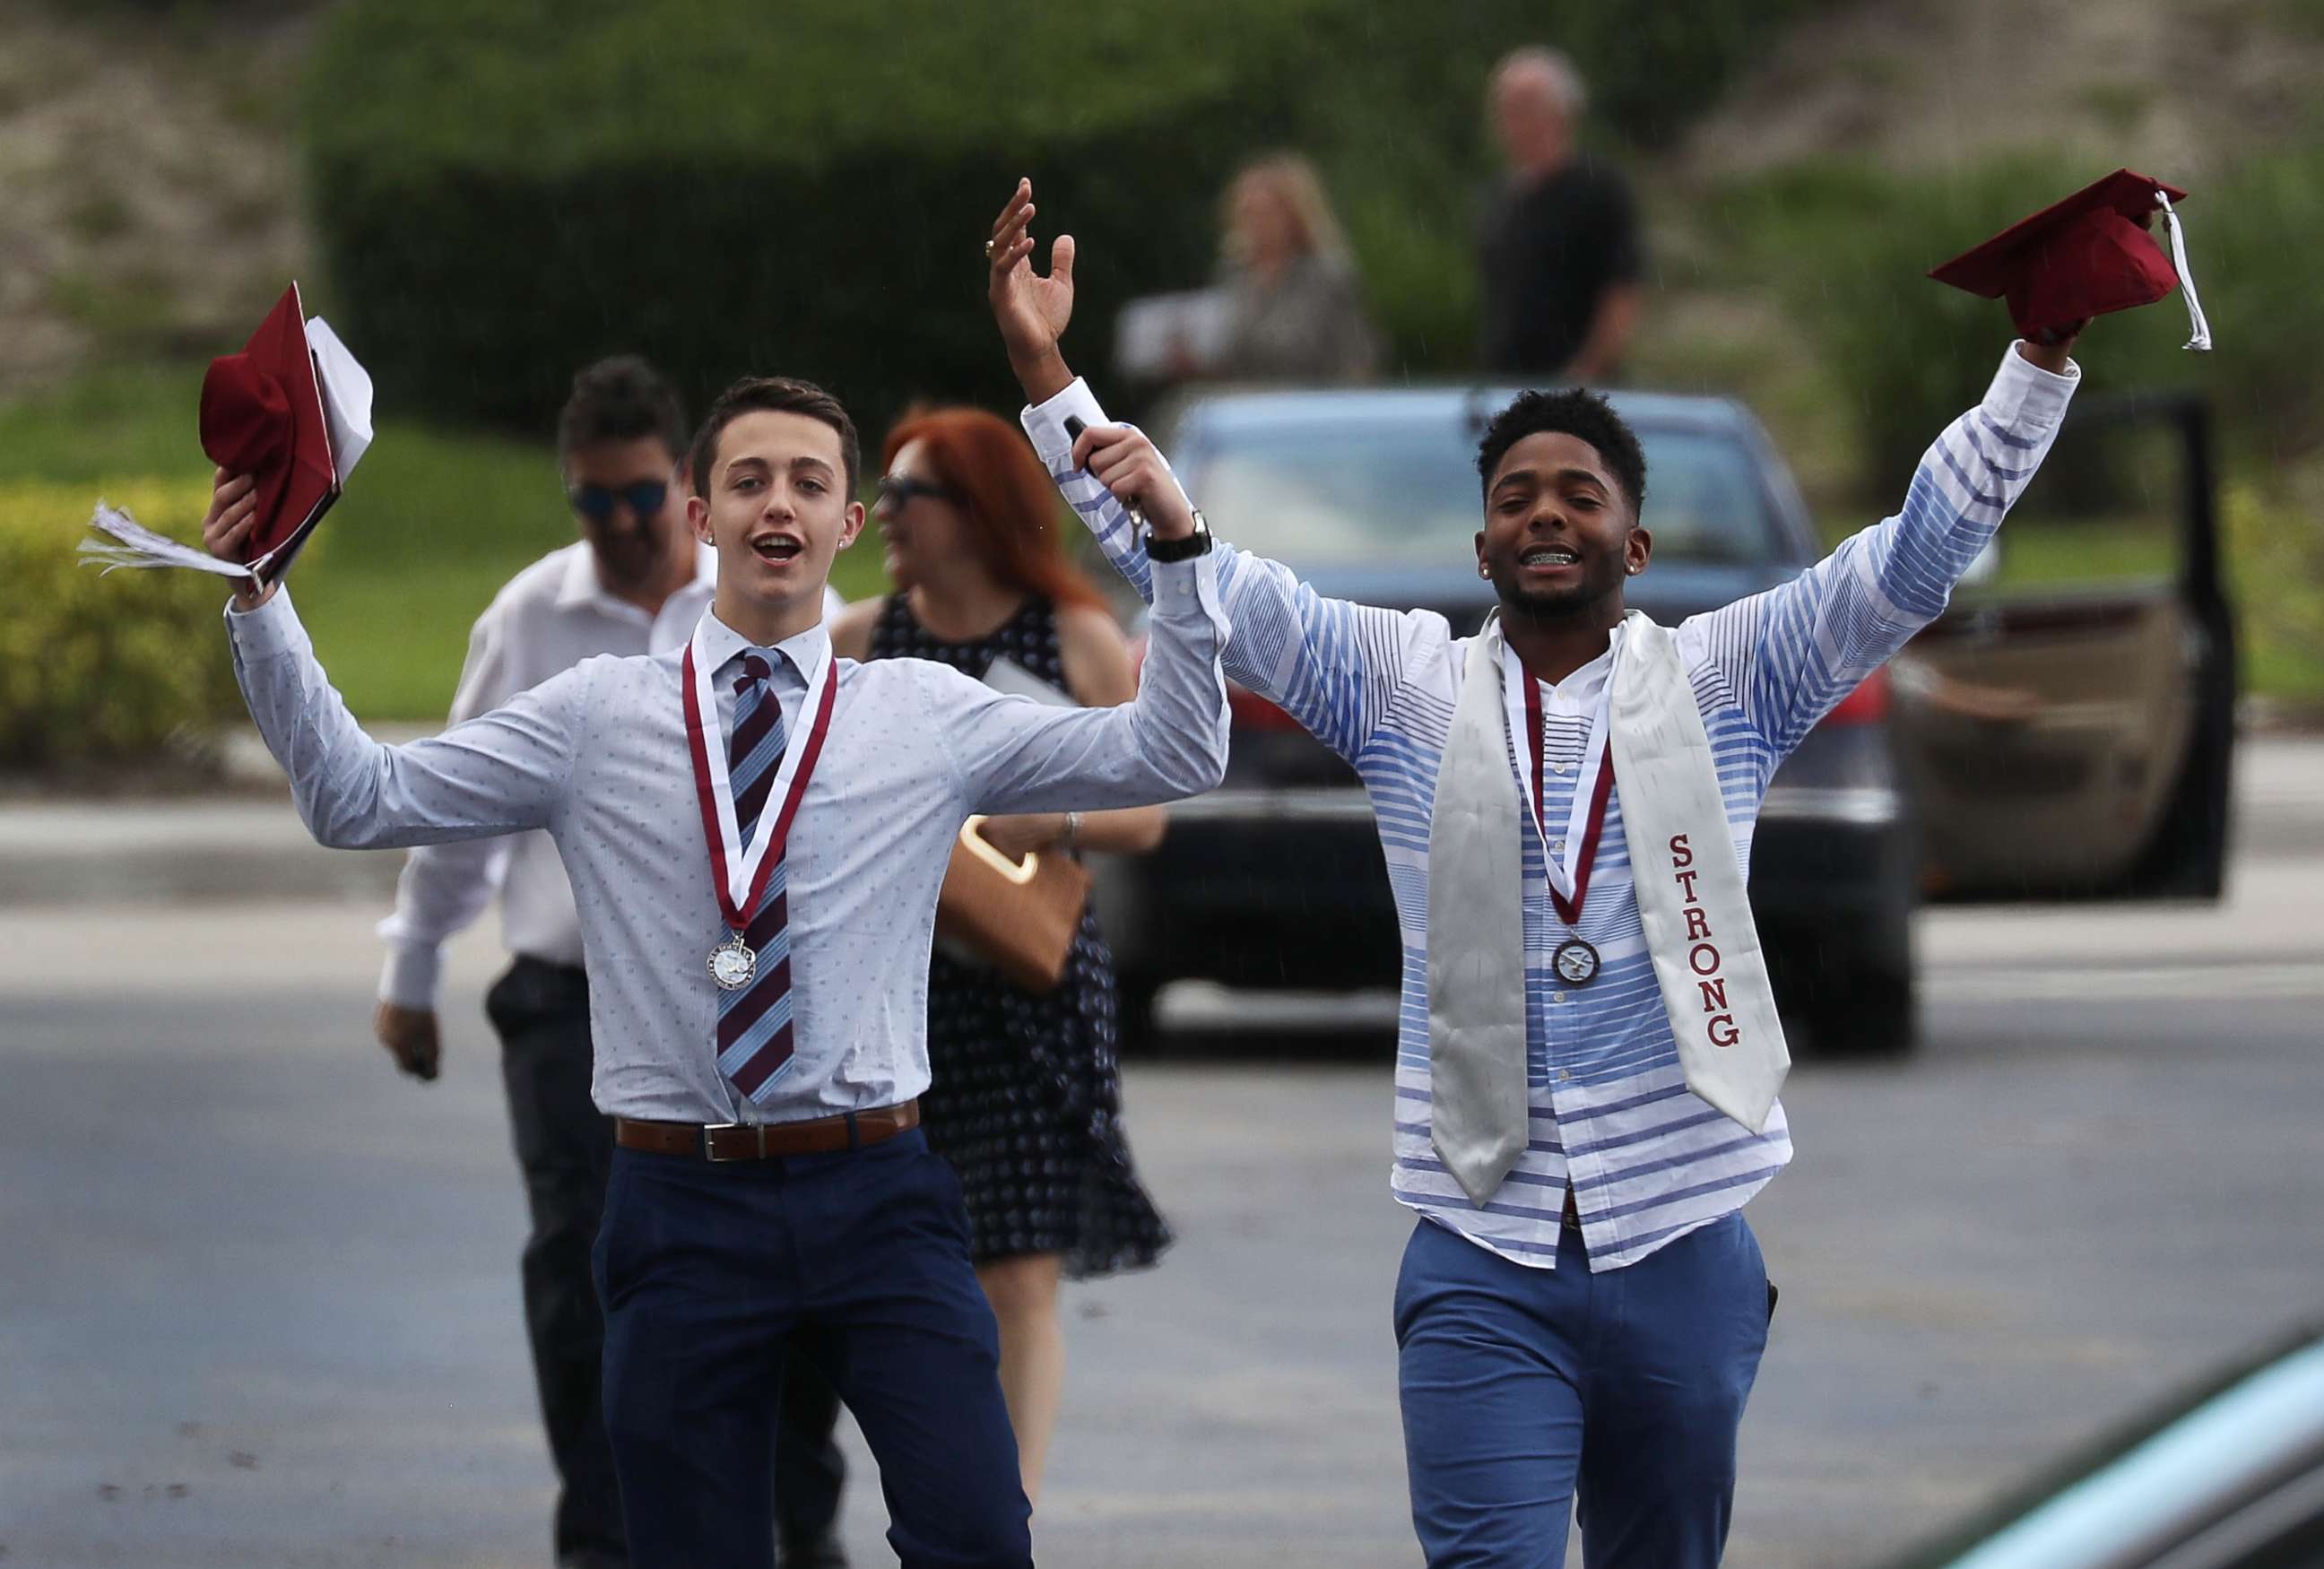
(755, 833)
(1587, 1068)
(636, 582)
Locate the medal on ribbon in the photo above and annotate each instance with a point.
(739, 873)
(1576, 960)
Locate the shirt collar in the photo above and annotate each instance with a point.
(722, 645)
(1585, 683)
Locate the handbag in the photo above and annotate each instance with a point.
(1021, 916)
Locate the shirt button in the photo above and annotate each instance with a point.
(1563, 1075)
(1557, 997)
(1557, 767)
(1558, 845)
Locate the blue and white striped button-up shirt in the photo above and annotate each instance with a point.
(1647, 1159)
(597, 756)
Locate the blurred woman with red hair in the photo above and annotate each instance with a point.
(1027, 1097)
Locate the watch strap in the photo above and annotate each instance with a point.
(1181, 549)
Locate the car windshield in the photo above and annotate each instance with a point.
(1372, 488)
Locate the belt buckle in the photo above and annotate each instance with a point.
(710, 1144)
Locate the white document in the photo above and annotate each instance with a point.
(346, 396)
(1153, 336)
(130, 543)
(1006, 675)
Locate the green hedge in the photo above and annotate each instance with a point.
(124, 667)
(504, 191)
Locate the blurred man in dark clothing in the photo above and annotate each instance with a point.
(1558, 251)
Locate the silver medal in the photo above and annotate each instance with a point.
(732, 964)
(1575, 962)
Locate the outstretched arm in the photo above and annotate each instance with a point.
(1792, 653)
(498, 773)
(1014, 755)
(1331, 665)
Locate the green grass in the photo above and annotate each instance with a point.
(431, 527)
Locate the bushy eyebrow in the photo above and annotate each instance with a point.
(1564, 476)
(758, 464)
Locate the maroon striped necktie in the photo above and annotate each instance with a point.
(754, 1023)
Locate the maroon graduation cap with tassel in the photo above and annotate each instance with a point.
(2088, 254)
(292, 409)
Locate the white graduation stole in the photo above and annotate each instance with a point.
(1691, 902)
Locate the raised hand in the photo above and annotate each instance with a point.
(1032, 310)
(2051, 350)
(1125, 461)
(225, 530)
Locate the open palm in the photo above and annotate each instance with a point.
(1032, 309)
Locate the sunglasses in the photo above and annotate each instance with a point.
(595, 502)
(898, 489)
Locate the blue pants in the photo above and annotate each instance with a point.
(859, 1262)
(1524, 1390)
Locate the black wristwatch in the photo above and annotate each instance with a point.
(1186, 549)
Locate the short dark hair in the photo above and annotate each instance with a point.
(621, 399)
(778, 394)
(1578, 412)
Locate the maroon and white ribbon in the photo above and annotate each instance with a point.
(739, 872)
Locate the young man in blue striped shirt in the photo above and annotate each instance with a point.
(1588, 1062)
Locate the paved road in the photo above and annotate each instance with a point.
(260, 1302)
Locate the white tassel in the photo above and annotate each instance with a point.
(130, 543)
(2202, 340)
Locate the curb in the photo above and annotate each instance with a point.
(246, 843)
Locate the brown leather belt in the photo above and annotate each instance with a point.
(768, 1140)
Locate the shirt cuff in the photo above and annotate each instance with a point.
(1188, 590)
(413, 975)
(2025, 397)
(1046, 423)
(271, 629)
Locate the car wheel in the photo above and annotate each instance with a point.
(1869, 1014)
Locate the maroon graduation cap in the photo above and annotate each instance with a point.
(262, 415)
(2085, 256)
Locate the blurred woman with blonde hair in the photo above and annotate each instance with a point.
(1295, 309)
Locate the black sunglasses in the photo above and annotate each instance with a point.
(898, 489)
(595, 502)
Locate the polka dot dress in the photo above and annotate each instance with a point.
(1027, 1097)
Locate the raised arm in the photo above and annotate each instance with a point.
(501, 772)
(1793, 652)
(1333, 666)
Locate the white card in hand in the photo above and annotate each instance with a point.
(1006, 675)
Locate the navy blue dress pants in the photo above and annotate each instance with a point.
(856, 1260)
(1528, 1391)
